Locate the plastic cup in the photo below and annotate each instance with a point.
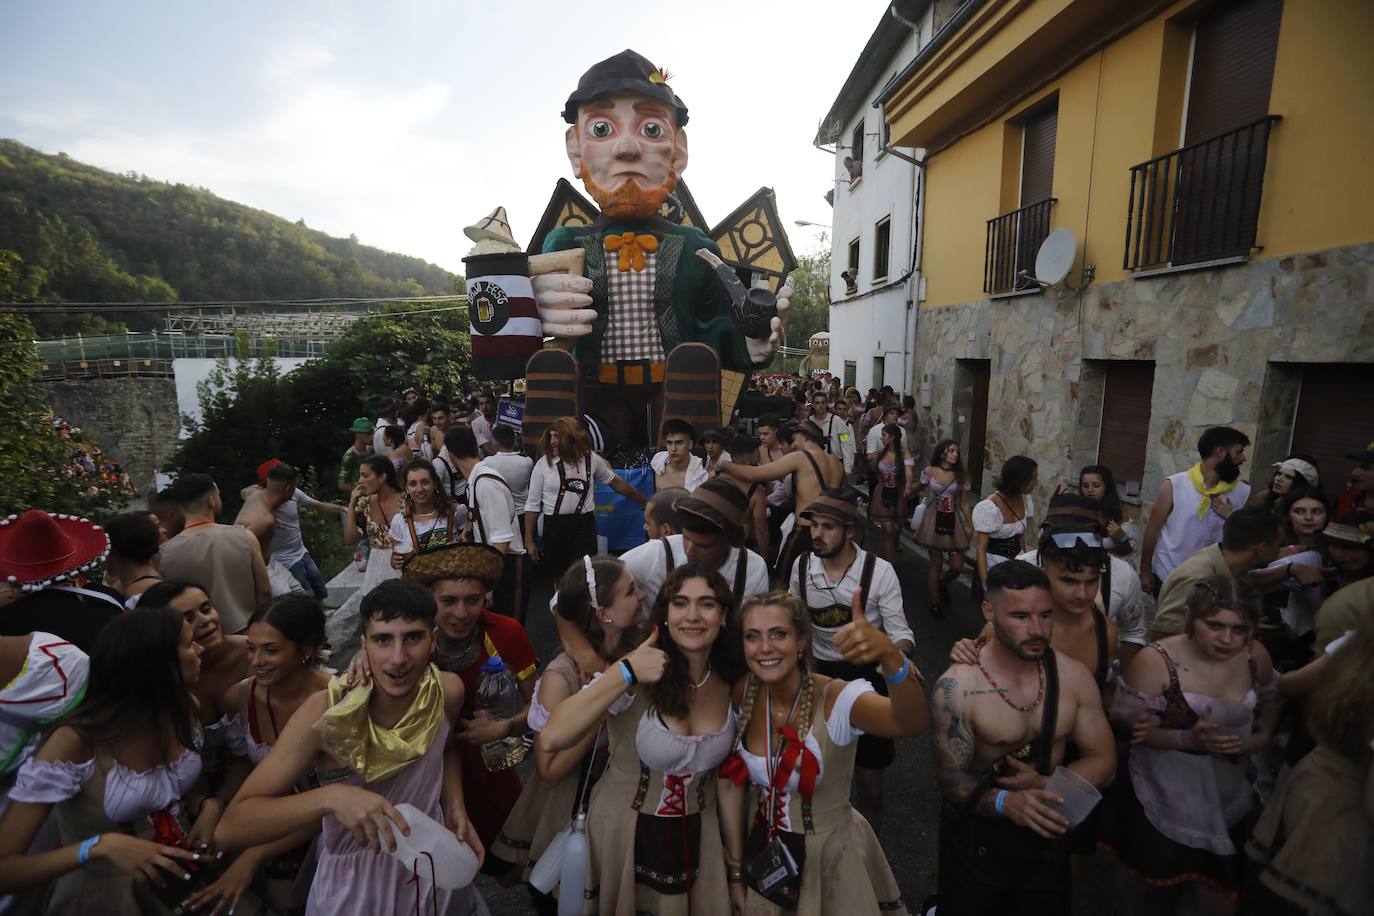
(433, 850)
(1230, 718)
(1080, 796)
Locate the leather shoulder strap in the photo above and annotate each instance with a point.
(866, 577)
(669, 561)
(1044, 763)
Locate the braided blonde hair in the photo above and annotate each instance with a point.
(801, 625)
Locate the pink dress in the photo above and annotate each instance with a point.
(352, 880)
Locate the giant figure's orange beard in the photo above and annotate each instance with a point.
(629, 200)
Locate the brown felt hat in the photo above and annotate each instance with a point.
(832, 503)
(718, 502)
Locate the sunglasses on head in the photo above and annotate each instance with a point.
(1066, 540)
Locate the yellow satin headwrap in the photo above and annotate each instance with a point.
(372, 751)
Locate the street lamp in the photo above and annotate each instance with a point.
(806, 222)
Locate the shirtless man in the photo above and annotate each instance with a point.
(745, 450)
(676, 466)
(259, 515)
(1002, 847)
(813, 471)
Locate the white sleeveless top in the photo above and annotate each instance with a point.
(1184, 534)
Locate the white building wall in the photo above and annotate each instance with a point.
(875, 322)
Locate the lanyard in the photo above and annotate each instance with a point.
(772, 768)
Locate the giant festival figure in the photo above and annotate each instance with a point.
(646, 284)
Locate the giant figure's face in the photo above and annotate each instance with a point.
(629, 152)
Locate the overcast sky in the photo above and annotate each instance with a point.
(403, 122)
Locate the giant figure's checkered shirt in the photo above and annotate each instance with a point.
(632, 330)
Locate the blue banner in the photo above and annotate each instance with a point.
(618, 519)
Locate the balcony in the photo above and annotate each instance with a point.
(1200, 203)
(1013, 240)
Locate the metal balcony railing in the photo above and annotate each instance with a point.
(1013, 240)
(1198, 203)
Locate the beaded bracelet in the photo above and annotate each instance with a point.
(628, 673)
(83, 854)
(900, 675)
(1001, 802)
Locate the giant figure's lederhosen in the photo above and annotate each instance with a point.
(989, 865)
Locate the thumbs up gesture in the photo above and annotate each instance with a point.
(859, 641)
(648, 661)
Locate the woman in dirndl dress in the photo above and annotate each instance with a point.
(799, 788)
(941, 522)
(652, 825)
(600, 597)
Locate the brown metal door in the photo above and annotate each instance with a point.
(1126, 403)
(1333, 419)
(1219, 182)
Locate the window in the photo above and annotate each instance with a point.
(1014, 237)
(851, 372)
(855, 162)
(1128, 391)
(879, 371)
(882, 241)
(850, 274)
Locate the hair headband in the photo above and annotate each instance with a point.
(591, 579)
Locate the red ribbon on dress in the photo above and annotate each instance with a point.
(675, 804)
(734, 769)
(793, 748)
(167, 829)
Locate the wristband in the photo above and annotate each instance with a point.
(1183, 738)
(628, 673)
(83, 854)
(901, 675)
(1001, 802)
(734, 875)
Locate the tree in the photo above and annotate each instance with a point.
(809, 310)
(35, 462)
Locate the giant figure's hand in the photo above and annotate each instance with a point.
(564, 304)
(761, 349)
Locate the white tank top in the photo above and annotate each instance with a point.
(1184, 534)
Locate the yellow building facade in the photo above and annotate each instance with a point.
(1213, 163)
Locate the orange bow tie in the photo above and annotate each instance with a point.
(631, 248)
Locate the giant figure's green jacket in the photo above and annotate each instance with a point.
(688, 303)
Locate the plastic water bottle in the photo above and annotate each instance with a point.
(498, 696)
(572, 882)
(433, 851)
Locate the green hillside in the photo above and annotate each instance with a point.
(72, 232)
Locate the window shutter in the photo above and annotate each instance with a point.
(1233, 67)
(1037, 157)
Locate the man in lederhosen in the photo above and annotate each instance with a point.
(825, 577)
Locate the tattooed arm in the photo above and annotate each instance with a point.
(954, 743)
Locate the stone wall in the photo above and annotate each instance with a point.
(133, 419)
(1223, 340)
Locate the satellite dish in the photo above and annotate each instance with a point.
(1055, 258)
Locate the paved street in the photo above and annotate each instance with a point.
(911, 803)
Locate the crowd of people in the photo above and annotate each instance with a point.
(90, 464)
(712, 735)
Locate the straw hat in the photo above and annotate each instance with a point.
(39, 548)
(456, 561)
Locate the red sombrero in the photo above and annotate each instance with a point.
(39, 548)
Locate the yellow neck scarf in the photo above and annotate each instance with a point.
(1205, 503)
(372, 751)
